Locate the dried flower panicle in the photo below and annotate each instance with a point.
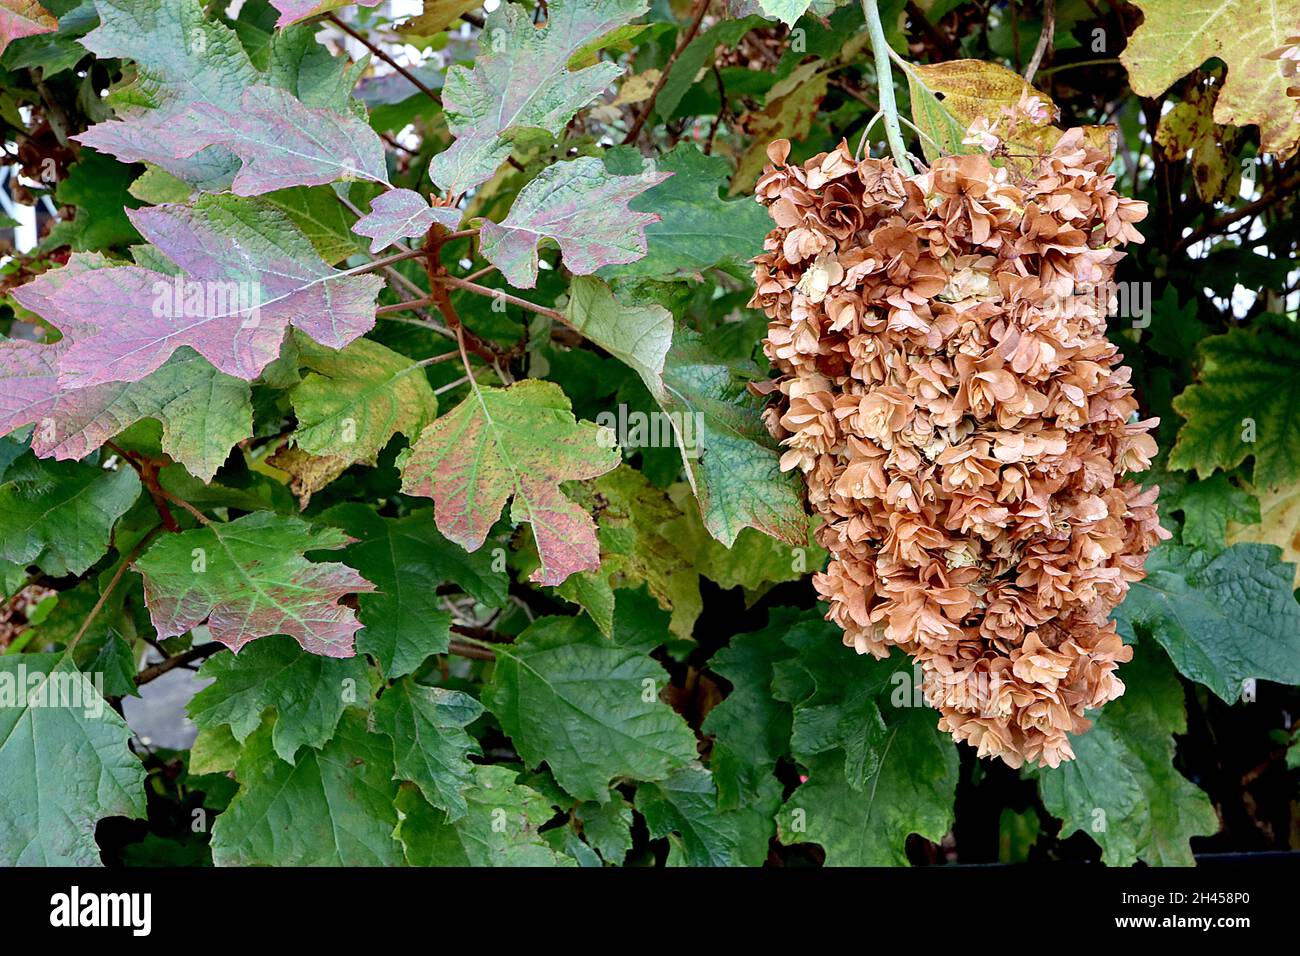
(945, 384)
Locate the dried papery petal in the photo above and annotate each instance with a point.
(945, 385)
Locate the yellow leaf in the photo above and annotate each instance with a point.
(1279, 524)
(437, 16)
(974, 89)
(1177, 36)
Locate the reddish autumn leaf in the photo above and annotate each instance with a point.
(514, 443)
(23, 18)
(401, 214)
(248, 274)
(583, 208)
(248, 578)
(280, 141)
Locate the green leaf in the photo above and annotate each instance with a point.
(637, 335)
(407, 560)
(1244, 404)
(636, 546)
(1207, 507)
(607, 828)
(247, 578)
(911, 791)
(520, 81)
(751, 727)
(355, 399)
(734, 467)
(1122, 788)
(430, 745)
(1222, 617)
(65, 762)
(588, 708)
(324, 220)
(697, 229)
(687, 804)
(499, 828)
(335, 807)
(23, 18)
(59, 515)
(307, 692)
(519, 443)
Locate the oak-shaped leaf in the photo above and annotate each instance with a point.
(307, 693)
(401, 214)
(1246, 403)
(1124, 767)
(499, 828)
(65, 760)
(247, 275)
(248, 578)
(515, 443)
(520, 81)
(405, 619)
(334, 807)
(1177, 36)
(23, 18)
(354, 400)
(684, 809)
(203, 412)
(584, 208)
(430, 745)
(567, 695)
(280, 141)
(59, 515)
(697, 229)
(1224, 617)
(182, 57)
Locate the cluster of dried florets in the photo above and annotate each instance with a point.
(945, 384)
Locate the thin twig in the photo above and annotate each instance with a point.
(1044, 39)
(701, 9)
(468, 286)
(134, 553)
(197, 653)
(414, 80)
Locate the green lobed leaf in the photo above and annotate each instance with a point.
(59, 515)
(65, 762)
(308, 694)
(430, 745)
(589, 708)
(1122, 788)
(334, 807)
(1223, 617)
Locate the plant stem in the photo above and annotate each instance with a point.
(885, 82)
(379, 52)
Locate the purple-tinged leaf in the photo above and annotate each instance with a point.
(280, 141)
(247, 274)
(519, 442)
(181, 57)
(291, 11)
(248, 578)
(520, 80)
(400, 214)
(203, 412)
(580, 205)
(23, 18)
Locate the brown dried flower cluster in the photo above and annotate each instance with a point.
(945, 384)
